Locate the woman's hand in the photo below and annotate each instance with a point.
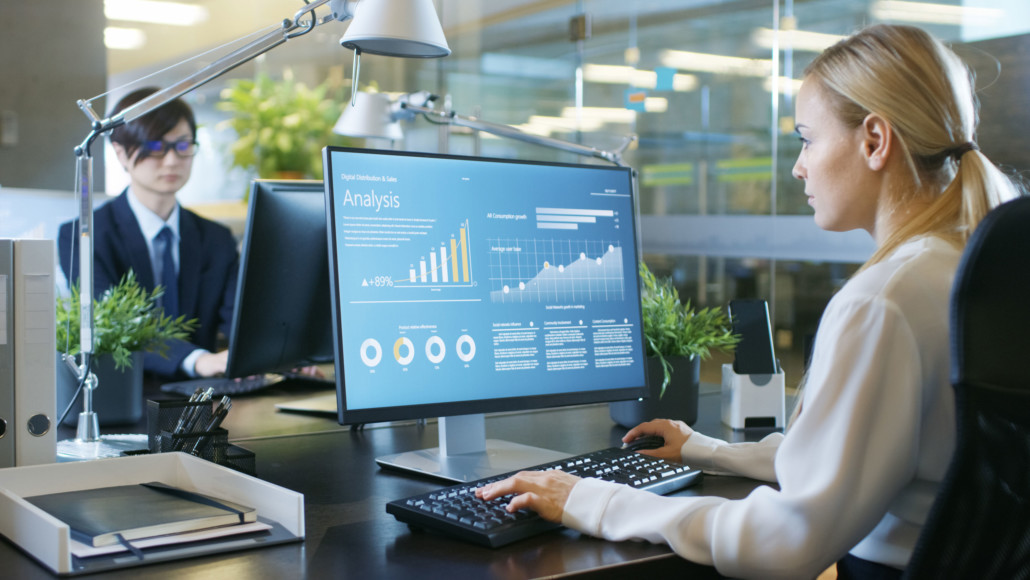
(675, 434)
(544, 492)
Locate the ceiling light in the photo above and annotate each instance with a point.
(541, 124)
(715, 63)
(626, 75)
(787, 86)
(124, 38)
(933, 13)
(794, 39)
(155, 12)
(602, 114)
(656, 104)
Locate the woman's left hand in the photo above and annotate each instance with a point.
(544, 492)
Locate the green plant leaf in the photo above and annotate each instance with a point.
(674, 328)
(282, 125)
(125, 320)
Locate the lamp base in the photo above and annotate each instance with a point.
(106, 446)
(88, 429)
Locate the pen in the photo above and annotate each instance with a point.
(193, 417)
(217, 416)
(186, 410)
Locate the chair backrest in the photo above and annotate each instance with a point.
(979, 526)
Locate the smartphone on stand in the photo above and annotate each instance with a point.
(754, 352)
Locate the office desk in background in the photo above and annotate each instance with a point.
(350, 535)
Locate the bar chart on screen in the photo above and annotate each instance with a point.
(446, 262)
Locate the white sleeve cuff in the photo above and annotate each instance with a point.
(189, 363)
(585, 506)
(699, 451)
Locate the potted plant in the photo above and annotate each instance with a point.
(677, 338)
(125, 325)
(282, 126)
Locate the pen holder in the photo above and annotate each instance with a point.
(209, 445)
(167, 423)
(240, 459)
(169, 417)
(752, 400)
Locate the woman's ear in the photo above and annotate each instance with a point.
(877, 141)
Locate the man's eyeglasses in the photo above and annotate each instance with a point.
(183, 148)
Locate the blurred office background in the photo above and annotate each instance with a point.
(707, 86)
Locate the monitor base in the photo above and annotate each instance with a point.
(498, 458)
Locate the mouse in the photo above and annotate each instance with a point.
(645, 442)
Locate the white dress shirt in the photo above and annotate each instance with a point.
(150, 224)
(859, 468)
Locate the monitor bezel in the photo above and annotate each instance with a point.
(347, 416)
(239, 352)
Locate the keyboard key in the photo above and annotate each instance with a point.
(457, 511)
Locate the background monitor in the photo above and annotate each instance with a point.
(281, 320)
(464, 285)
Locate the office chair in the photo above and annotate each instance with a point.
(979, 525)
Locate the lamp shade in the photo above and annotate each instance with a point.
(407, 28)
(369, 117)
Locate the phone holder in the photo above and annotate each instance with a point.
(752, 400)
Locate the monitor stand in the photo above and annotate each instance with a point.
(465, 454)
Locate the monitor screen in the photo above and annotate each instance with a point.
(465, 285)
(281, 319)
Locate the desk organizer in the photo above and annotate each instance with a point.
(752, 400)
(162, 420)
(47, 538)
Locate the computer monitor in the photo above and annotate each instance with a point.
(281, 319)
(465, 285)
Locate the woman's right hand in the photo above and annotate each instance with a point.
(675, 434)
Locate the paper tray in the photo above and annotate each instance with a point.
(46, 538)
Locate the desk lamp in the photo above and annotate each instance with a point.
(404, 28)
(374, 115)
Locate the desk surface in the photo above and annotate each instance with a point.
(349, 533)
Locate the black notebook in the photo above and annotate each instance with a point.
(112, 515)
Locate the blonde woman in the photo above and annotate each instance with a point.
(887, 122)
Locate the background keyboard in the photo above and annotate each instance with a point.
(223, 386)
(242, 386)
(456, 510)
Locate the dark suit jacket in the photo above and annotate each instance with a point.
(208, 267)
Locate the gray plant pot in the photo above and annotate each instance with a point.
(679, 401)
(118, 398)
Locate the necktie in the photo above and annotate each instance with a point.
(166, 268)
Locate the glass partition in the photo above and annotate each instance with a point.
(706, 86)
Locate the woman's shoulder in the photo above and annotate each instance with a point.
(920, 269)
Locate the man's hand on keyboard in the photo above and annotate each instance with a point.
(212, 364)
(544, 492)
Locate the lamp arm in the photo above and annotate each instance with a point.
(290, 28)
(614, 157)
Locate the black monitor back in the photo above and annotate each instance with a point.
(282, 317)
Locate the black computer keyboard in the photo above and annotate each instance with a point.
(456, 510)
(223, 386)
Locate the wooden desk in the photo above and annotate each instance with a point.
(350, 535)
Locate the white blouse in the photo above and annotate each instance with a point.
(859, 468)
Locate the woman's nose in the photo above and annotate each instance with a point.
(798, 170)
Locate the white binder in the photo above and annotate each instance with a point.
(7, 426)
(35, 353)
